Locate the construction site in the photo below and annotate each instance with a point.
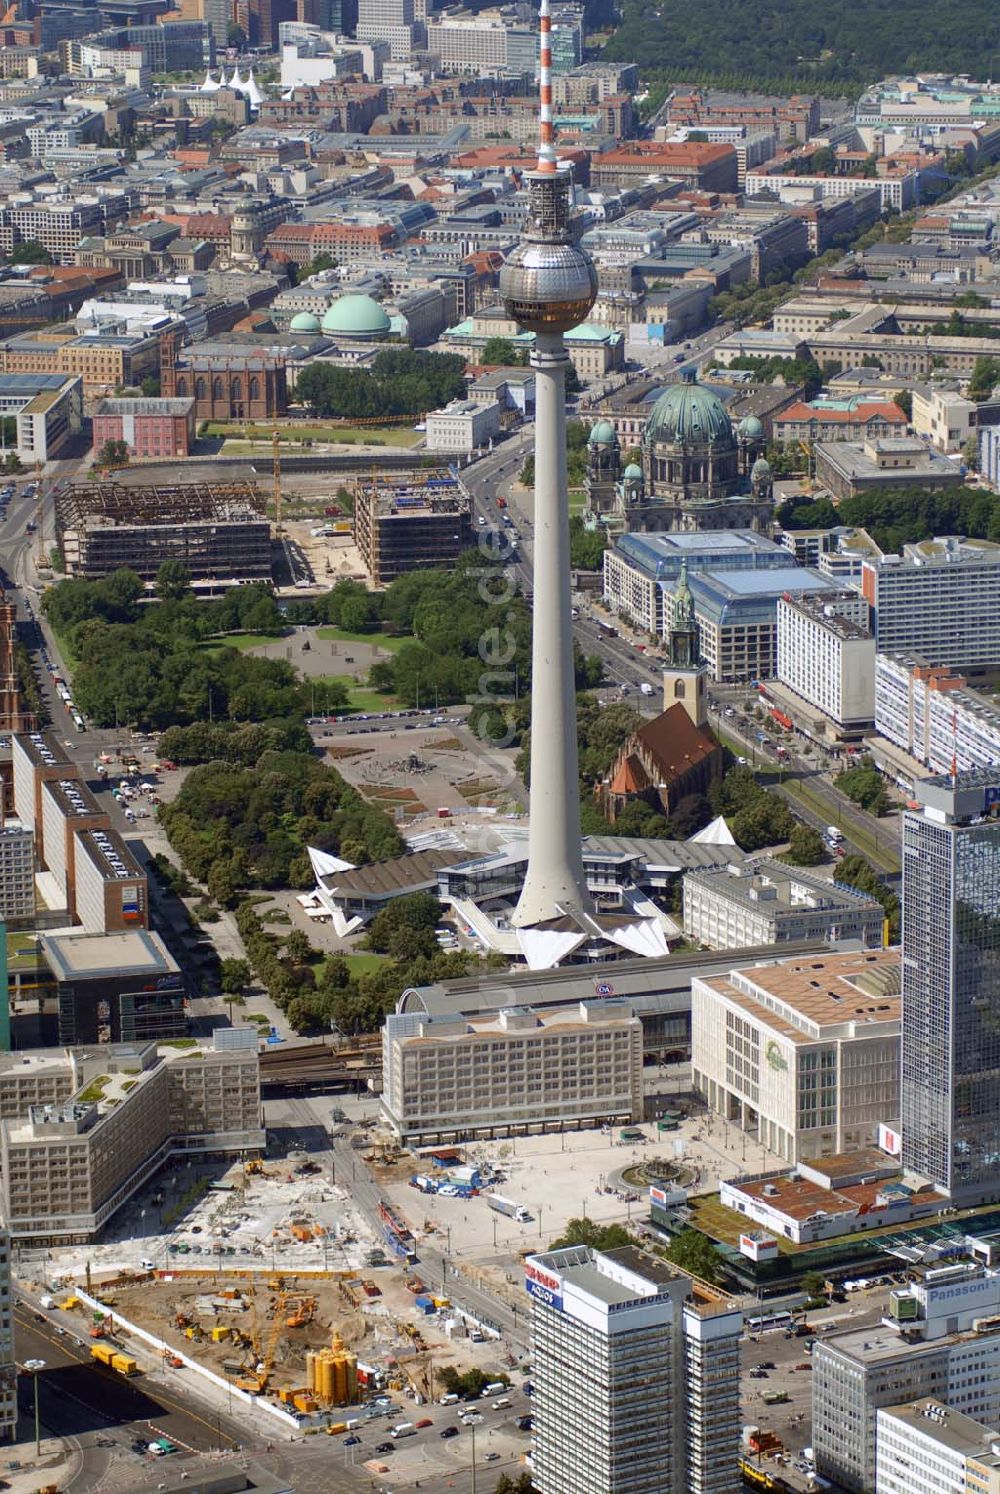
(410, 521)
(219, 531)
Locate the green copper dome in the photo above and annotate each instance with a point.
(356, 316)
(602, 434)
(689, 414)
(304, 321)
(750, 429)
(632, 470)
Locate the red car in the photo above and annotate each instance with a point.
(424, 1421)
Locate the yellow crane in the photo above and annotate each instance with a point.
(256, 1383)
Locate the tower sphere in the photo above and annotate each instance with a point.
(548, 287)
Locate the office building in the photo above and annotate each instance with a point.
(37, 758)
(737, 615)
(950, 1091)
(578, 1065)
(770, 902)
(826, 655)
(633, 1391)
(8, 1361)
(124, 987)
(106, 1119)
(410, 524)
(110, 890)
(463, 426)
(857, 1373)
(47, 409)
(641, 570)
(803, 1054)
(389, 21)
(925, 1448)
(17, 871)
(931, 713)
(848, 468)
(150, 428)
(939, 600)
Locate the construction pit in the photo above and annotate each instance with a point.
(315, 1344)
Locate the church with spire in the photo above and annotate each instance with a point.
(676, 754)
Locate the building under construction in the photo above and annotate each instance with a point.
(412, 521)
(219, 530)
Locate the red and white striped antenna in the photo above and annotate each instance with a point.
(546, 133)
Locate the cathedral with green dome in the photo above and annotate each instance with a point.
(696, 471)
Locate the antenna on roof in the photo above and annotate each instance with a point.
(546, 135)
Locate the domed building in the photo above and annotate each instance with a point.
(694, 471)
(305, 322)
(357, 317)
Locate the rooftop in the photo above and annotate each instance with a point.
(951, 1429)
(803, 999)
(93, 956)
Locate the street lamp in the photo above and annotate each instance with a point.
(34, 1368)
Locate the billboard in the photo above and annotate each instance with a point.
(758, 1247)
(889, 1140)
(543, 1285)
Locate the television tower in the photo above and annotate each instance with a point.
(548, 286)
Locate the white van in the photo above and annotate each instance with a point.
(495, 1387)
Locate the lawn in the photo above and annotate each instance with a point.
(577, 500)
(358, 698)
(244, 641)
(375, 435)
(361, 964)
(23, 953)
(384, 641)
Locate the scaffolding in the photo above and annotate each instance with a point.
(219, 530)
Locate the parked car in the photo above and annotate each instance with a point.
(450, 1432)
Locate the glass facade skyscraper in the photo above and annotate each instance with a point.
(950, 1078)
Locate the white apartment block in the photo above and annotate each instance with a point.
(827, 655)
(17, 871)
(989, 454)
(803, 1054)
(768, 902)
(858, 1373)
(931, 715)
(925, 1448)
(463, 426)
(446, 1078)
(636, 1385)
(482, 44)
(940, 600)
(82, 1129)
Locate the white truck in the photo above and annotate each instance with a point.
(404, 1429)
(646, 689)
(509, 1207)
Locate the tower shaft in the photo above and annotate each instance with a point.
(554, 882)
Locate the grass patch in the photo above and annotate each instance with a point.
(23, 953)
(244, 641)
(358, 698)
(361, 964)
(65, 652)
(179, 1043)
(94, 1091)
(577, 500)
(385, 641)
(250, 435)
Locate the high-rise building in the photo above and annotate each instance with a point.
(950, 1073)
(636, 1382)
(389, 21)
(8, 1364)
(856, 1374)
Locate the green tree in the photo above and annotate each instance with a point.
(150, 386)
(235, 36)
(235, 976)
(114, 454)
(500, 352)
(588, 1232)
(805, 846)
(31, 252)
(297, 947)
(904, 399)
(586, 546)
(855, 871)
(865, 785)
(318, 264)
(695, 1253)
(173, 580)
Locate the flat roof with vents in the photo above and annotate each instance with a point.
(809, 998)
